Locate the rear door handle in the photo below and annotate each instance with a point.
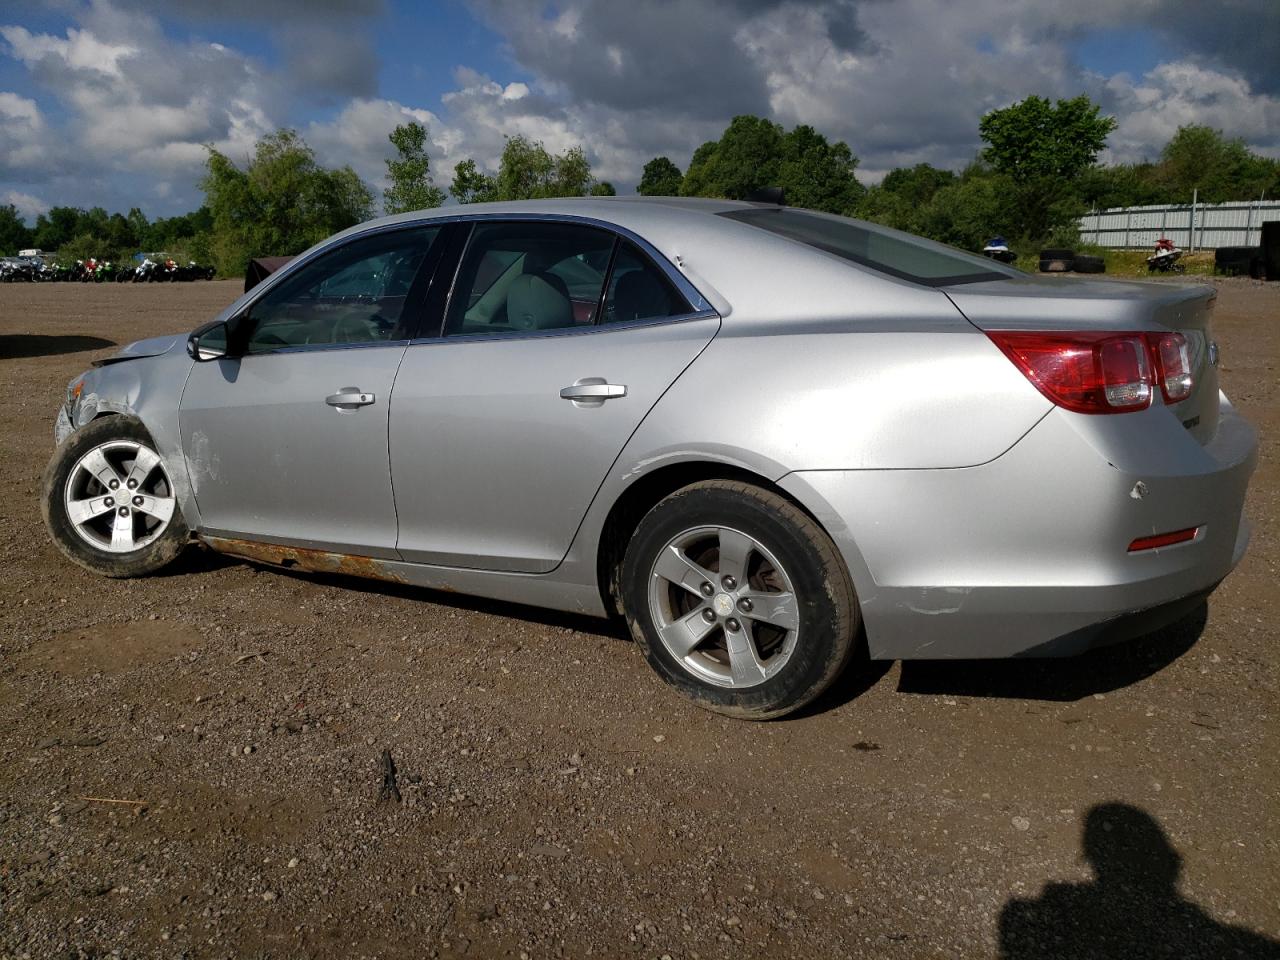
(349, 397)
(593, 391)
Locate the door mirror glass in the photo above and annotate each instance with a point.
(209, 342)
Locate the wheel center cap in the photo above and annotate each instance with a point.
(722, 604)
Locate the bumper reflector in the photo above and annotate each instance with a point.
(1163, 539)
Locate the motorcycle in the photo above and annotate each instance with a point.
(1165, 259)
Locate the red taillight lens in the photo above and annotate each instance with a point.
(1174, 362)
(1084, 372)
(1090, 372)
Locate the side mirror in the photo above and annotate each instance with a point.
(209, 342)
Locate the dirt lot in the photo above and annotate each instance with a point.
(557, 800)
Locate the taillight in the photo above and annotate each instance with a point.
(1090, 372)
(1174, 362)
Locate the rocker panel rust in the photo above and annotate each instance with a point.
(300, 558)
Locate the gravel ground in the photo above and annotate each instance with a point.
(190, 765)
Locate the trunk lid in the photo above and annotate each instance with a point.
(1052, 303)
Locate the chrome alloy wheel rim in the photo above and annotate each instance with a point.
(723, 606)
(118, 497)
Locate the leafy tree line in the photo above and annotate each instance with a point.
(80, 234)
(1036, 174)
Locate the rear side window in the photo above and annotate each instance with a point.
(888, 251)
(640, 291)
(528, 276)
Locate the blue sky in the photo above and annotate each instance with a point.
(102, 102)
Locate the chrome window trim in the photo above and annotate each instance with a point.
(574, 331)
(317, 347)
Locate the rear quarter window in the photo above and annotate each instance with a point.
(887, 251)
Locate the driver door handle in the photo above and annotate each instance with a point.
(349, 397)
(593, 389)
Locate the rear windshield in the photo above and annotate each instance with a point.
(888, 251)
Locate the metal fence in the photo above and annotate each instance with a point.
(1192, 226)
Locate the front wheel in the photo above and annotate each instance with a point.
(739, 599)
(109, 503)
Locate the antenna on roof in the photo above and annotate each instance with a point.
(773, 195)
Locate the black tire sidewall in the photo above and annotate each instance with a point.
(136, 563)
(828, 609)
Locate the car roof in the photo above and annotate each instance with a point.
(737, 268)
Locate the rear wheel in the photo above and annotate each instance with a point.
(109, 503)
(739, 599)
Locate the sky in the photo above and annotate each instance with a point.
(107, 103)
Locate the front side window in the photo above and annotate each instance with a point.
(520, 277)
(356, 294)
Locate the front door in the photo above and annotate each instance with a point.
(286, 441)
(503, 428)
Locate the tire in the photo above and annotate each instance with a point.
(1057, 253)
(786, 553)
(1056, 266)
(1084, 263)
(153, 541)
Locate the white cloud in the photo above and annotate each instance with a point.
(80, 50)
(1175, 94)
(901, 82)
(24, 135)
(28, 207)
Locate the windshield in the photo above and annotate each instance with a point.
(888, 251)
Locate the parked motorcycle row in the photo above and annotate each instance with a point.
(37, 270)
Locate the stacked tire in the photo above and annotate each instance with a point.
(1271, 249)
(1238, 262)
(1055, 260)
(1061, 260)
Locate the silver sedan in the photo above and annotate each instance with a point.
(772, 440)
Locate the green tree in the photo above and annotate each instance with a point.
(15, 235)
(56, 227)
(1034, 139)
(754, 152)
(470, 185)
(661, 178)
(917, 184)
(745, 158)
(282, 203)
(603, 189)
(527, 171)
(1122, 185)
(1043, 149)
(410, 172)
(816, 174)
(967, 212)
(1199, 158)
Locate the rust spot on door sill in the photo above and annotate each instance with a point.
(300, 558)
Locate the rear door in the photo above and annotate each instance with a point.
(558, 339)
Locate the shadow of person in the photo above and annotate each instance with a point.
(1131, 910)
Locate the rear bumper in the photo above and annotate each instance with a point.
(1027, 555)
